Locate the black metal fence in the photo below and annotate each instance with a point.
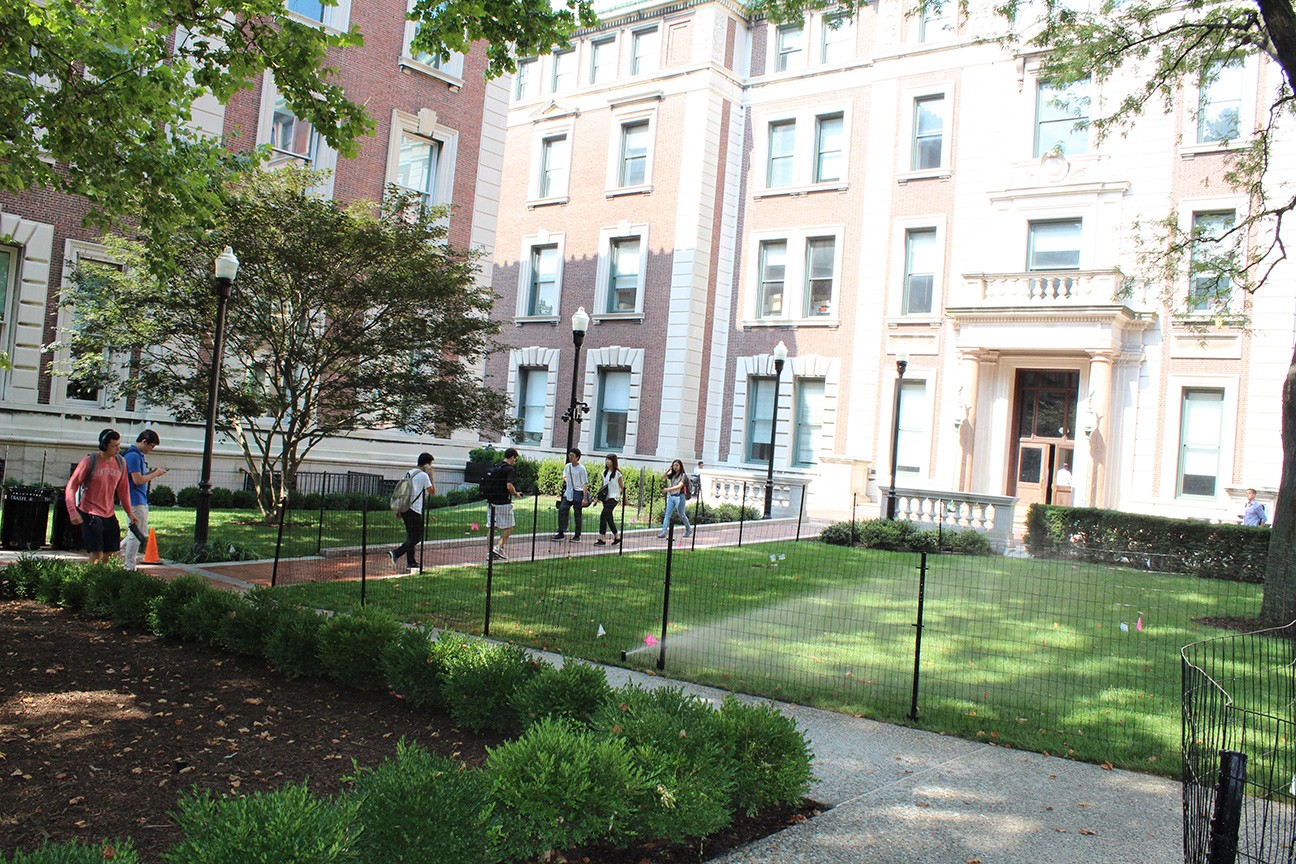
(1239, 765)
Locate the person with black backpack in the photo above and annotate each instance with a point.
(407, 501)
(500, 492)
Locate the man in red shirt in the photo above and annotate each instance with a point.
(99, 478)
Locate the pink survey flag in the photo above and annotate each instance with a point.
(650, 640)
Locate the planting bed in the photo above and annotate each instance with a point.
(101, 729)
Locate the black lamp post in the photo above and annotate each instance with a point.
(226, 269)
(780, 356)
(902, 362)
(580, 323)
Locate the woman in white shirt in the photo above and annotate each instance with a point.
(610, 494)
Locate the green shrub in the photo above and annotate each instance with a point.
(75, 586)
(206, 616)
(486, 454)
(419, 807)
(218, 549)
(678, 745)
(455, 497)
(167, 617)
(412, 669)
(479, 681)
(558, 786)
(251, 619)
(351, 646)
(772, 759)
(839, 534)
(49, 582)
(134, 602)
(527, 475)
(291, 646)
(287, 826)
(187, 497)
(705, 514)
(161, 496)
(969, 542)
(435, 502)
(573, 692)
(243, 499)
(104, 583)
(15, 579)
(549, 477)
(76, 852)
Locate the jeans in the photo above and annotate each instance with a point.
(607, 519)
(564, 507)
(131, 546)
(675, 503)
(413, 535)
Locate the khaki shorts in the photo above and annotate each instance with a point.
(503, 514)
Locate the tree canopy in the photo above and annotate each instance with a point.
(341, 318)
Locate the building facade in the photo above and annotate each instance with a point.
(882, 193)
(439, 132)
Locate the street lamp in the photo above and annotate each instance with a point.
(902, 362)
(580, 323)
(780, 356)
(227, 265)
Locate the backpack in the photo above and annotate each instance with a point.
(403, 495)
(494, 484)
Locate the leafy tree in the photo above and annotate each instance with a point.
(98, 95)
(341, 318)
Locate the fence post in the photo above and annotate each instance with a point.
(319, 534)
(697, 508)
(918, 628)
(742, 511)
(800, 513)
(1228, 808)
(364, 548)
(670, 544)
(423, 519)
(535, 520)
(274, 571)
(490, 562)
(621, 533)
(854, 530)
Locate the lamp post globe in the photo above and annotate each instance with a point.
(780, 357)
(226, 271)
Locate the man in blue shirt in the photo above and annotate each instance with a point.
(1253, 513)
(140, 477)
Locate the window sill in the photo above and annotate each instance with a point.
(628, 190)
(547, 202)
(798, 191)
(926, 319)
(1209, 148)
(928, 174)
(771, 323)
(1224, 319)
(455, 83)
(602, 317)
(519, 320)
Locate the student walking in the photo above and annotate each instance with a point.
(99, 478)
(137, 469)
(499, 500)
(423, 483)
(610, 494)
(676, 497)
(575, 495)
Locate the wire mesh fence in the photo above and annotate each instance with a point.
(1239, 766)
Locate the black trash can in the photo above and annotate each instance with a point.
(63, 534)
(25, 515)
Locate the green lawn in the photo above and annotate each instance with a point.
(1026, 653)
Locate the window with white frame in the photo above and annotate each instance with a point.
(564, 72)
(1201, 424)
(829, 148)
(1062, 118)
(8, 267)
(920, 271)
(1209, 286)
(632, 169)
(808, 421)
(417, 165)
(555, 161)
(79, 388)
(335, 15)
(421, 157)
(937, 21)
(526, 84)
(1219, 102)
(796, 276)
(624, 274)
(789, 45)
(837, 39)
(1053, 244)
(912, 442)
(773, 276)
(449, 65)
(820, 272)
(312, 9)
(291, 138)
(782, 154)
(645, 49)
(760, 418)
(542, 293)
(532, 399)
(613, 410)
(928, 133)
(602, 65)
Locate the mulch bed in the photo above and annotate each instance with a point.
(101, 729)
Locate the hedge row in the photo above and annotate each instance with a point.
(591, 763)
(1236, 553)
(902, 536)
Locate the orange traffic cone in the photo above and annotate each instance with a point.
(150, 551)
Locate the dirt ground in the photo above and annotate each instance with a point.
(101, 730)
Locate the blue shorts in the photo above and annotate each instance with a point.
(100, 534)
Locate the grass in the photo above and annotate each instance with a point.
(1030, 654)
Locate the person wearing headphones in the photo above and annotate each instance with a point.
(89, 497)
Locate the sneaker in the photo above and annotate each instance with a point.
(616, 540)
(391, 556)
(575, 539)
(688, 532)
(558, 536)
(601, 542)
(498, 554)
(661, 536)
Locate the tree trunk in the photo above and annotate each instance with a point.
(1279, 605)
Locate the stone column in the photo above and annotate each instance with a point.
(1099, 404)
(968, 382)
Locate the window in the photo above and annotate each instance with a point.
(1200, 426)
(828, 148)
(782, 151)
(6, 282)
(613, 409)
(533, 383)
(624, 266)
(920, 271)
(633, 170)
(937, 21)
(312, 9)
(773, 269)
(543, 296)
(79, 388)
(554, 161)
(788, 44)
(760, 416)
(1219, 105)
(808, 420)
(819, 269)
(450, 63)
(838, 39)
(526, 82)
(291, 137)
(1208, 278)
(1062, 119)
(417, 164)
(1054, 245)
(928, 132)
(602, 60)
(912, 442)
(645, 48)
(564, 71)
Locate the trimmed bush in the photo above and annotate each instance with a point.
(573, 693)
(479, 681)
(167, 617)
(558, 786)
(772, 759)
(287, 826)
(134, 602)
(161, 496)
(969, 542)
(412, 669)
(207, 615)
(75, 586)
(76, 852)
(105, 583)
(243, 499)
(706, 514)
(187, 497)
(839, 534)
(421, 807)
(251, 618)
(351, 646)
(291, 646)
